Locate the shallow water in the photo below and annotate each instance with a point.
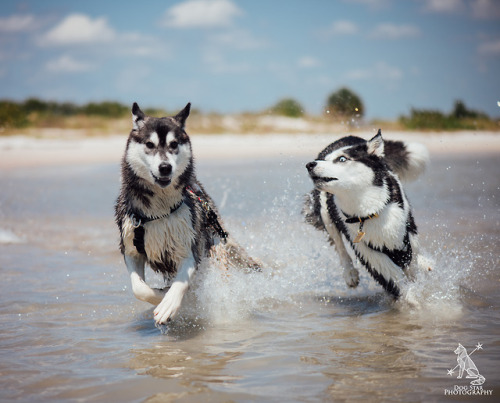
(72, 331)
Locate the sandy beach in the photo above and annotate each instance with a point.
(69, 147)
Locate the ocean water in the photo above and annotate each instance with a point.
(71, 329)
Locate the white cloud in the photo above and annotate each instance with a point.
(237, 39)
(444, 6)
(218, 64)
(341, 27)
(139, 45)
(380, 71)
(18, 23)
(79, 29)
(201, 14)
(370, 3)
(480, 9)
(67, 64)
(486, 9)
(393, 31)
(490, 48)
(308, 62)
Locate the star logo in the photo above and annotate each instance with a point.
(466, 366)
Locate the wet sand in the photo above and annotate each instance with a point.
(69, 148)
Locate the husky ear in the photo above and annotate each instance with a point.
(183, 115)
(137, 116)
(376, 145)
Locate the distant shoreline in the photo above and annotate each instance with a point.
(63, 148)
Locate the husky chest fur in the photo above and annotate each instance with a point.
(359, 201)
(165, 217)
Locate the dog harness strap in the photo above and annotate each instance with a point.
(211, 216)
(139, 239)
(138, 221)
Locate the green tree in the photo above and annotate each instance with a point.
(460, 111)
(288, 107)
(344, 103)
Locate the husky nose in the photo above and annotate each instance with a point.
(310, 165)
(165, 169)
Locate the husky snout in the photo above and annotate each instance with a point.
(316, 174)
(310, 166)
(164, 175)
(165, 169)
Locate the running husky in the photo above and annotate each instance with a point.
(165, 217)
(359, 201)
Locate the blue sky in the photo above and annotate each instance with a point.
(232, 55)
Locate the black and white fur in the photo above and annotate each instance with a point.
(161, 195)
(354, 180)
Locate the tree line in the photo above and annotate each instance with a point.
(347, 106)
(341, 105)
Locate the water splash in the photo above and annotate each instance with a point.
(8, 237)
(300, 265)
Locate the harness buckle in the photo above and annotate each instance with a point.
(136, 223)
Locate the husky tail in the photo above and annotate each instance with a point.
(407, 160)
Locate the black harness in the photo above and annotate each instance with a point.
(138, 220)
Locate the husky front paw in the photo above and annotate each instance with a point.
(351, 277)
(169, 306)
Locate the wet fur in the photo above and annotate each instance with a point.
(355, 178)
(159, 183)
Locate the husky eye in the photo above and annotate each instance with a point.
(150, 145)
(174, 145)
(341, 159)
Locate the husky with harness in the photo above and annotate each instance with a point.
(165, 217)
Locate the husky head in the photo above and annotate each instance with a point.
(350, 163)
(158, 149)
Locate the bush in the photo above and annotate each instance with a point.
(460, 118)
(106, 109)
(344, 103)
(288, 107)
(12, 115)
(428, 119)
(49, 108)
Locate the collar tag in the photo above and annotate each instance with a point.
(359, 236)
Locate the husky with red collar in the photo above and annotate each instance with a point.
(358, 199)
(165, 217)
